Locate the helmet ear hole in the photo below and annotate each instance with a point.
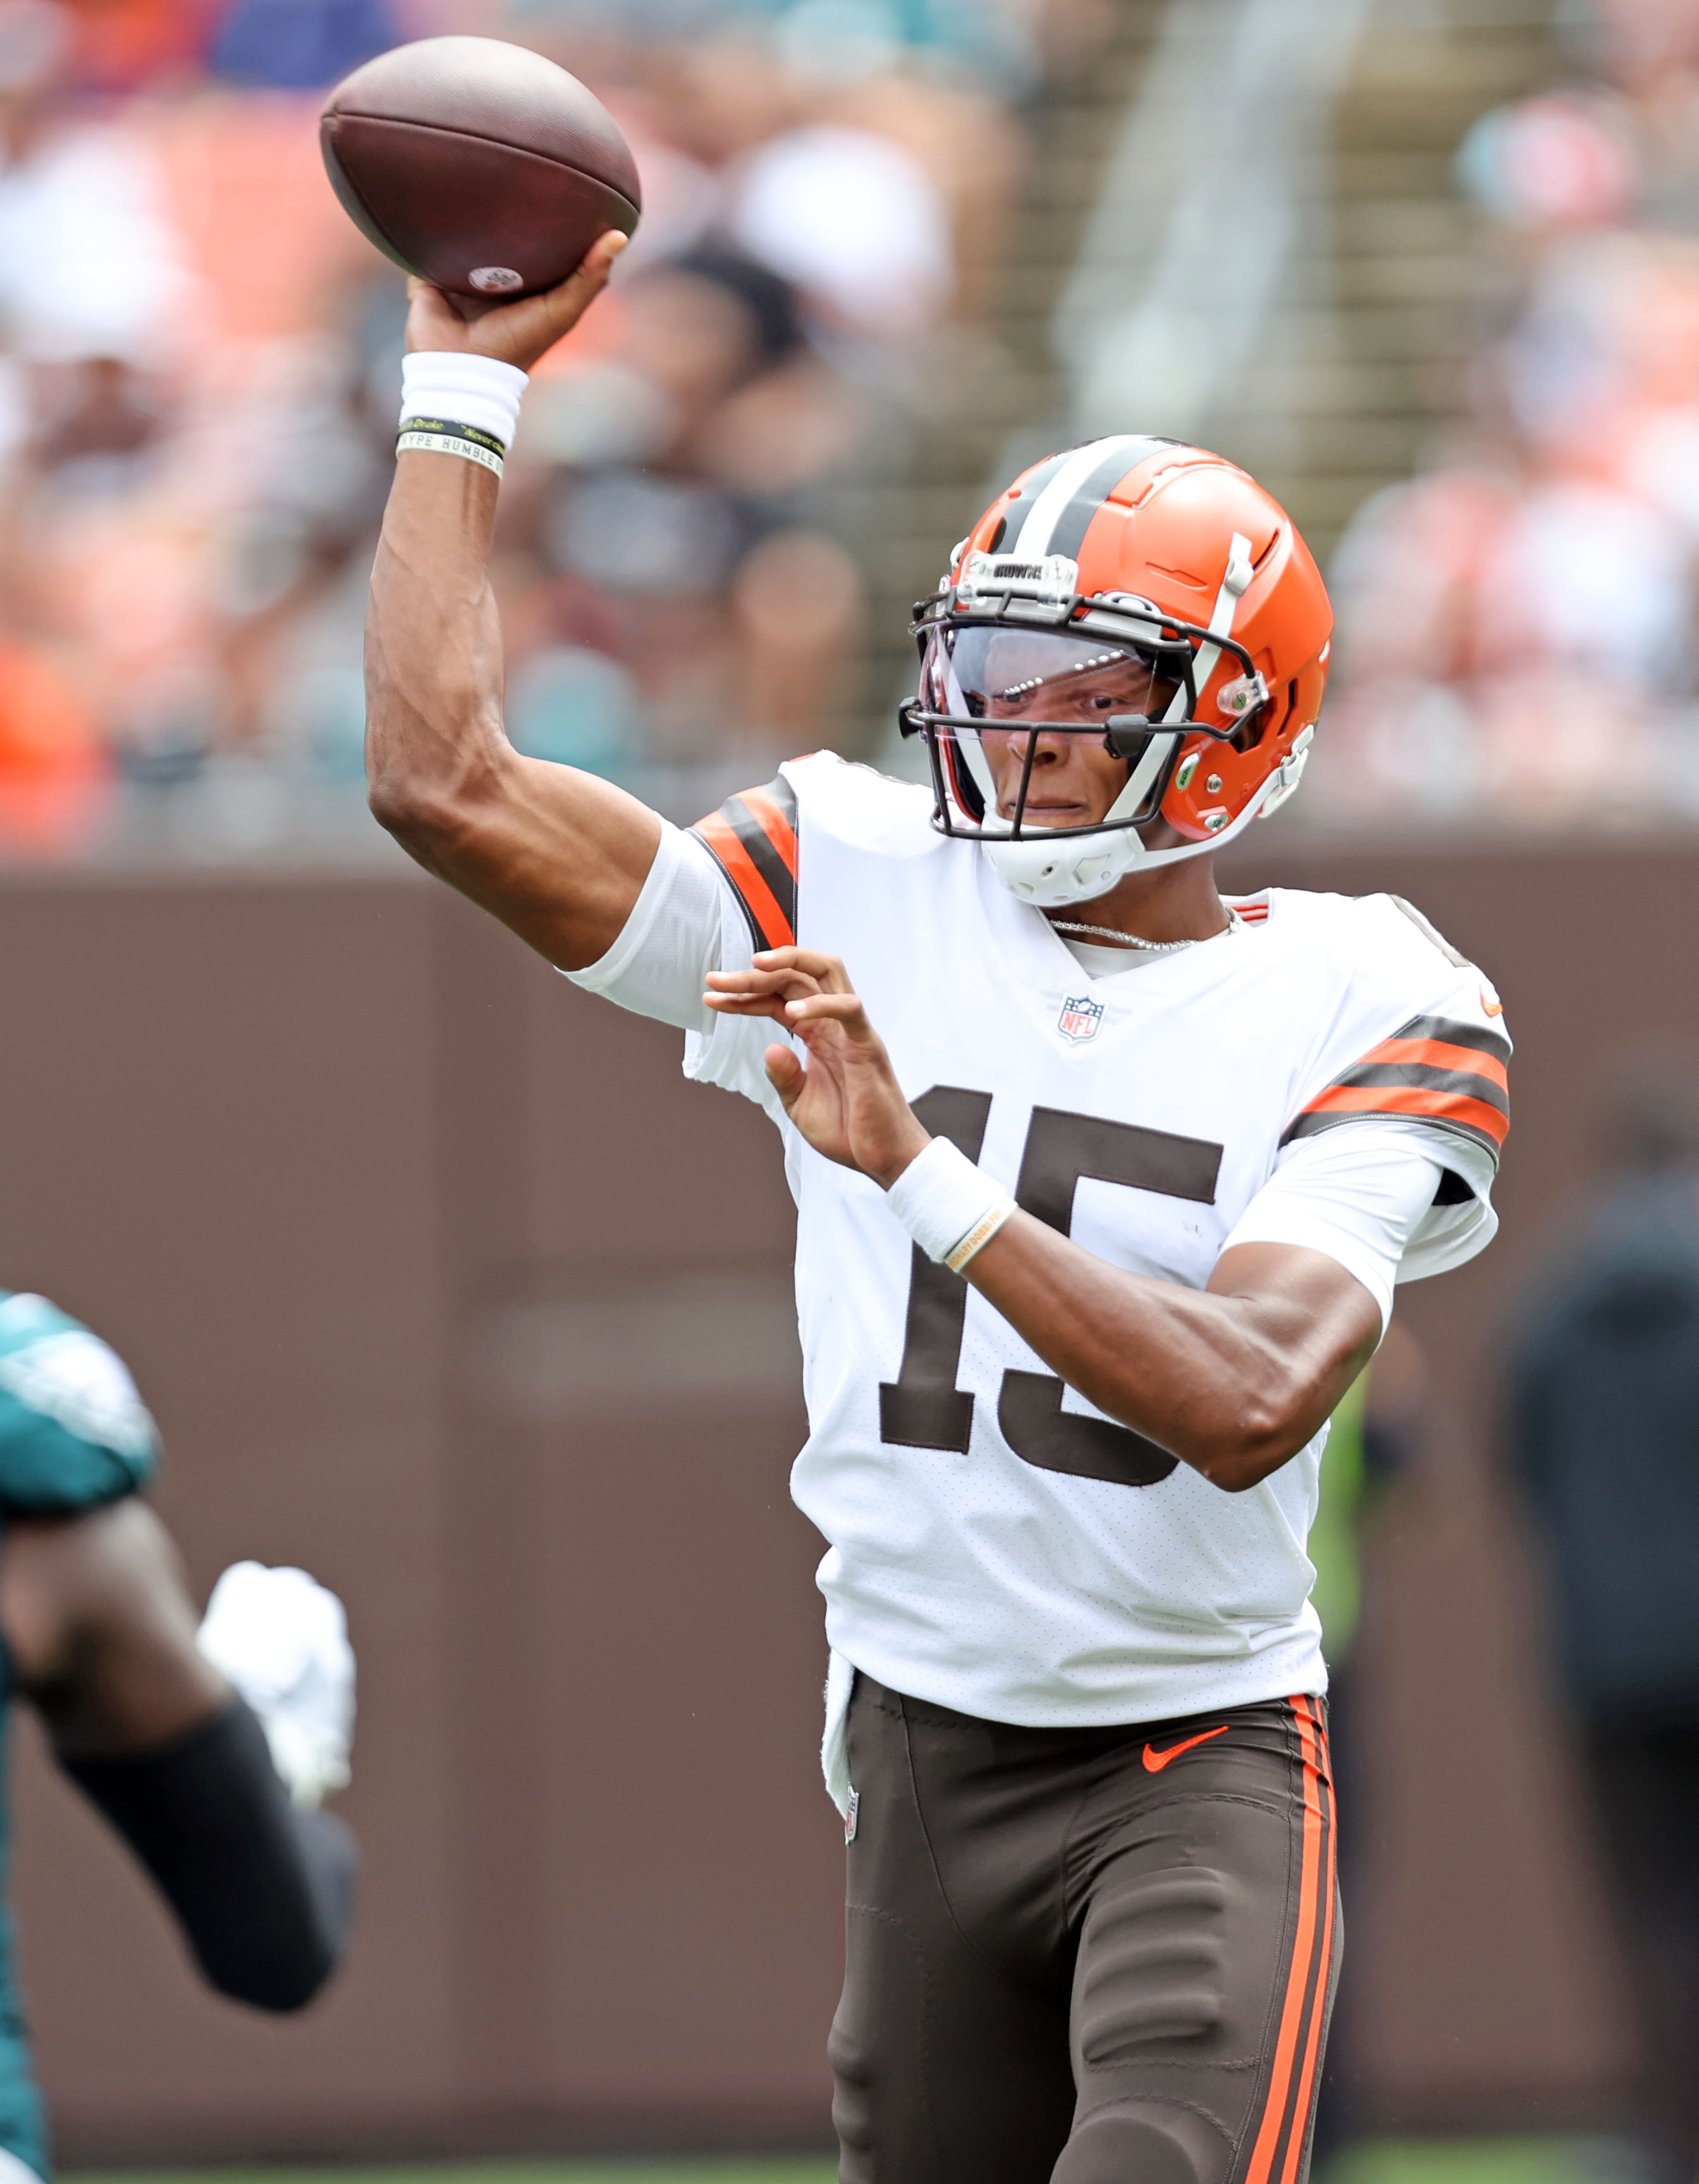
(1250, 731)
(1256, 727)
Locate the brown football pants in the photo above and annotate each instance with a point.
(1096, 1956)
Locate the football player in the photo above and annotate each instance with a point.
(209, 1751)
(1103, 1183)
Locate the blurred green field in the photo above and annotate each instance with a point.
(1480, 2161)
(1382, 2161)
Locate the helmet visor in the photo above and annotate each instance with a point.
(1033, 677)
(991, 695)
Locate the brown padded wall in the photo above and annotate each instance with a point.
(432, 1268)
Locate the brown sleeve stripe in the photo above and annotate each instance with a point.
(1422, 1077)
(1435, 1070)
(752, 837)
(1451, 1033)
(779, 830)
(1437, 1055)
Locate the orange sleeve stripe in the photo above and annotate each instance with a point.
(774, 825)
(739, 867)
(1411, 1099)
(1433, 1054)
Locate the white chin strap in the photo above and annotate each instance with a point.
(1079, 868)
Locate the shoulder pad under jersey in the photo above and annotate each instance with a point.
(74, 1432)
(860, 806)
(755, 836)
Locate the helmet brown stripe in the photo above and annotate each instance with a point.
(1067, 532)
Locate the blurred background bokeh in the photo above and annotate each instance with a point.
(1429, 267)
(198, 376)
(442, 1284)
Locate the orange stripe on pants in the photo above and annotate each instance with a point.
(1312, 1742)
(1297, 1980)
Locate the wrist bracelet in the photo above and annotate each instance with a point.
(951, 1208)
(480, 390)
(442, 435)
(978, 1236)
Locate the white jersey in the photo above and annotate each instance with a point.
(997, 1544)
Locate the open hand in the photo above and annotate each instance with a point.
(513, 333)
(846, 1101)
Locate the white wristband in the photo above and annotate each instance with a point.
(472, 390)
(951, 1208)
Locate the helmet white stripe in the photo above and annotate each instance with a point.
(1234, 583)
(1044, 513)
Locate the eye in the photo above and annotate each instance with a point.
(1104, 704)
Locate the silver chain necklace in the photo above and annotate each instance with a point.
(1132, 939)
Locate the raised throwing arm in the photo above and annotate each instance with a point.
(555, 853)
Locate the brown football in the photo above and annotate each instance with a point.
(477, 164)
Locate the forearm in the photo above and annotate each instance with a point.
(265, 1894)
(435, 746)
(1232, 1379)
(558, 856)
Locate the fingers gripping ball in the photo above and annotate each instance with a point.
(478, 164)
(283, 1640)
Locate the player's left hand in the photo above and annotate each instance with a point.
(846, 1101)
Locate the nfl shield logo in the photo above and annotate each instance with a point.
(1080, 1018)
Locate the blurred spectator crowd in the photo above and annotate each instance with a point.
(1516, 626)
(199, 369)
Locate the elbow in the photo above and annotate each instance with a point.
(434, 805)
(1239, 1451)
(417, 814)
(1237, 1470)
(280, 1952)
(281, 1985)
(433, 817)
(425, 773)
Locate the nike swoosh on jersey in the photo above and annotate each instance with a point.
(1156, 1761)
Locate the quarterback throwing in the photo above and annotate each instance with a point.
(1103, 1185)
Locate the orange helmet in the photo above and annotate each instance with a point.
(1146, 594)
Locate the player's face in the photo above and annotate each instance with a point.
(1055, 696)
(1072, 783)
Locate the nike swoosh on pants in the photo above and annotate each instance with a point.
(1156, 1761)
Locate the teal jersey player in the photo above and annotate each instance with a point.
(205, 1753)
(74, 1436)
